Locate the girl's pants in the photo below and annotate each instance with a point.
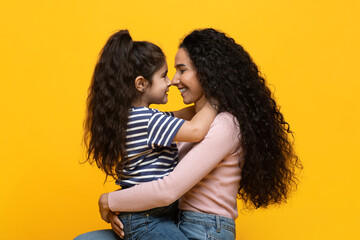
(157, 223)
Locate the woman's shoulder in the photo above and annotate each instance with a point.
(226, 119)
(224, 124)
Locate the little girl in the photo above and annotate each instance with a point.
(130, 141)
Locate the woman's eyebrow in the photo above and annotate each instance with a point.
(180, 65)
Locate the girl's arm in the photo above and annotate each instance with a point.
(196, 129)
(221, 141)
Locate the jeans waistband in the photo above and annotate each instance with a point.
(211, 220)
(155, 212)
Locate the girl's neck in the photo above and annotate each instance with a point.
(139, 103)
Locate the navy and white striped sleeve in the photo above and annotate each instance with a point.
(162, 130)
(169, 113)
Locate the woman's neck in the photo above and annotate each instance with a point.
(200, 103)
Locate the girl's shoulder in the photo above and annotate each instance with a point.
(144, 110)
(150, 112)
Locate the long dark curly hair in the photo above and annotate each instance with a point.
(111, 93)
(229, 76)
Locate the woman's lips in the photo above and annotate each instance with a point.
(182, 90)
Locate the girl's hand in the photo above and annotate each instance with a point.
(116, 224)
(104, 207)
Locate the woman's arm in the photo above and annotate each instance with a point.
(221, 141)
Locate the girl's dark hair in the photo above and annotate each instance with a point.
(230, 77)
(111, 93)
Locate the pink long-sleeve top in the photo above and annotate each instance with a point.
(207, 177)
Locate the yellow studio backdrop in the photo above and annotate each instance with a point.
(308, 50)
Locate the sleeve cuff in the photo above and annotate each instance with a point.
(111, 201)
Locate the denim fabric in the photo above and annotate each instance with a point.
(157, 223)
(202, 226)
(107, 234)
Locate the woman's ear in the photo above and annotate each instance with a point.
(141, 83)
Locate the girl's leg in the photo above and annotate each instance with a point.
(107, 234)
(166, 229)
(206, 226)
(153, 227)
(153, 224)
(157, 223)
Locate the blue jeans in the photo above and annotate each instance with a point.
(157, 223)
(107, 234)
(205, 226)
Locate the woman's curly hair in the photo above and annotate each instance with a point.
(230, 77)
(111, 93)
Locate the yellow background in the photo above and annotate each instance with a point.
(308, 50)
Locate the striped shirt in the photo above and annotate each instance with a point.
(151, 152)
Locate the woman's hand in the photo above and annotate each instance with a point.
(110, 217)
(104, 207)
(116, 224)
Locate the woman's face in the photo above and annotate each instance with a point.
(185, 78)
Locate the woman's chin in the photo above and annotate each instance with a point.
(187, 102)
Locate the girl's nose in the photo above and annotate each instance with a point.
(168, 82)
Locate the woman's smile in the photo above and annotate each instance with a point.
(185, 78)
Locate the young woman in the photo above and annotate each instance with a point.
(130, 141)
(247, 152)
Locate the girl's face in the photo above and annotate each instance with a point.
(156, 93)
(185, 78)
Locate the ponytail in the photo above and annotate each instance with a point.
(111, 93)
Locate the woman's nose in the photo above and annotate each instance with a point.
(175, 80)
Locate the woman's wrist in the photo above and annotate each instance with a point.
(104, 201)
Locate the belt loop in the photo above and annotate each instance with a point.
(218, 229)
(178, 220)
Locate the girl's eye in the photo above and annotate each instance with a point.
(182, 71)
